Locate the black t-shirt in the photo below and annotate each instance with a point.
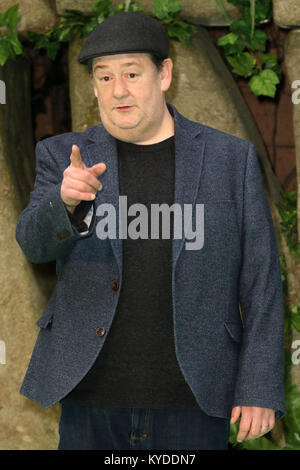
(137, 366)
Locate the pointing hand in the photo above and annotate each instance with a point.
(80, 182)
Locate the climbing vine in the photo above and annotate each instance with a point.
(10, 45)
(74, 22)
(245, 46)
(288, 212)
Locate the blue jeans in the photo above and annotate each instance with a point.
(90, 427)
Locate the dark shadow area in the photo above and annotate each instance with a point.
(51, 113)
(48, 114)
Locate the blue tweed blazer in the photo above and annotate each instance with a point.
(228, 307)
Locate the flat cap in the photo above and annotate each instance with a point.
(123, 33)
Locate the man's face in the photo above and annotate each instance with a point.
(130, 93)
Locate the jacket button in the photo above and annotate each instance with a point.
(115, 285)
(100, 331)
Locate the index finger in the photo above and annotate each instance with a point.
(75, 157)
(244, 427)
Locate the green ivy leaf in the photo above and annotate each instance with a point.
(71, 14)
(10, 17)
(163, 8)
(15, 43)
(179, 30)
(104, 7)
(232, 43)
(264, 83)
(291, 420)
(262, 443)
(242, 28)
(242, 63)
(41, 41)
(270, 59)
(89, 27)
(10, 47)
(296, 322)
(263, 9)
(64, 34)
(52, 49)
(258, 42)
(5, 51)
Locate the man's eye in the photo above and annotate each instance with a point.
(132, 75)
(104, 79)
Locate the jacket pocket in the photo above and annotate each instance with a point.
(235, 330)
(45, 320)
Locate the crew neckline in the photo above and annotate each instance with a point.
(137, 148)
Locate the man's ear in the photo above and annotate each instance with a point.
(95, 89)
(166, 74)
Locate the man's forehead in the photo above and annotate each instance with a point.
(121, 59)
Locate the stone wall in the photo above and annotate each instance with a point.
(24, 288)
(196, 10)
(286, 13)
(36, 15)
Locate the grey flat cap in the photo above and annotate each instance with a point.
(123, 33)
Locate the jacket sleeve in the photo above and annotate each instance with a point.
(44, 230)
(79, 217)
(260, 380)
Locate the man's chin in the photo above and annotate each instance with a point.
(118, 128)
(123, 123)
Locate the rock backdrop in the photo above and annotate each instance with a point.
(24, 288)
(36, 15)
(286, 12)
(197, 11)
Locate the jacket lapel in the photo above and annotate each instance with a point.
(103, 148)
(189, 152)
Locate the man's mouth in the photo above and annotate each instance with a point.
(123, 108)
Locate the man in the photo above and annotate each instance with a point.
(152, 342)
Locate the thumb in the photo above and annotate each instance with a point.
(98, 169)
(75, 157)
(235, 414)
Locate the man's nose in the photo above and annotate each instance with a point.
(120, 88)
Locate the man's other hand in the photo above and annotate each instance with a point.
(255, 421)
